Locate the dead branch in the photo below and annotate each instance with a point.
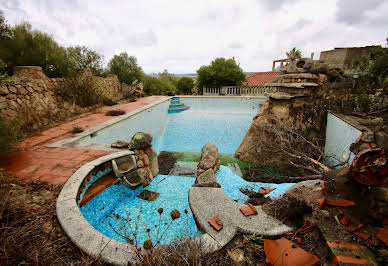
(291, 151)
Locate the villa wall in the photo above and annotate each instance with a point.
(345, 57)
(33, 96)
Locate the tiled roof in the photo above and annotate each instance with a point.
(260, 78)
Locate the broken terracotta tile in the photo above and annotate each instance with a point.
(216, 223)
(382, 235)
(248, 210)
(345, 220)
(266, 190)
(363, 236)
(343, 246)
(350, 260)
(351, 228)
(321, 202)
(284, 252)
(340, 203)
(324, 190)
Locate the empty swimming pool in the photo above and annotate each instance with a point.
(222, 121)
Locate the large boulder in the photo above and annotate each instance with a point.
(209, 157)
(153, 159)
(140, 140)
(120, 144)
(207, 167)
(207, 179)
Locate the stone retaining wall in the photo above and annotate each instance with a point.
(34, 95)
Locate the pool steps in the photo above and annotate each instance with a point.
(176, 106)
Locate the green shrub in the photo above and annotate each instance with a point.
(81, 90)
(9, 134)
(185, 85)
(364, 102)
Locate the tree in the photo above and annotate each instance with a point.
(86, 58)
(5, 30)
(221, 72)
(374, 68)
(185, 85)
(160, 84)
(26, 47)
(125, 67)
(294, 54)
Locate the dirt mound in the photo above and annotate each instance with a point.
(166, 161)
(255, 198)
(288, 209)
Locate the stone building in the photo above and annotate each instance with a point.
(344, 57)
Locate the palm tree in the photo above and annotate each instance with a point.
(294, 54)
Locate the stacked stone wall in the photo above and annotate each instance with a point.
(34, 98)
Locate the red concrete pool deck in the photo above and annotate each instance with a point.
(36, 162)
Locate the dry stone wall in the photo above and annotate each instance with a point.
(34, 97)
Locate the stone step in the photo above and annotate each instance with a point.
(179, 109)
(176, 105)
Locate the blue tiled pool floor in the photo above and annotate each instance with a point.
(118, 201)
(189, 131)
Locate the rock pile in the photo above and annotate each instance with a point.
(141, 166)
(207, 167)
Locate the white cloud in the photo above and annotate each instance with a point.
(183, 35)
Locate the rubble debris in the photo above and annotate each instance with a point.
(266, 190)
(350, 260)
(284, 252)
(249, 210)
(216, 223)
(370, 167)
(363, 236)
(382, 235)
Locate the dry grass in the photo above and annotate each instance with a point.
(30, 232)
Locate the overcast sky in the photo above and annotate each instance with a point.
(182, 35)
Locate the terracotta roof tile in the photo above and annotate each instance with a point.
(260, 78)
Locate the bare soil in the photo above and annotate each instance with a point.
(166, 161)
(299, 207)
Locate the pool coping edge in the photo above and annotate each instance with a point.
(86, 237)
(69, 142)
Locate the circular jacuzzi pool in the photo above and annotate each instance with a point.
(106, 219)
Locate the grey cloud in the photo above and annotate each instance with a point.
(235, 45)
(231, 14)
(352, 12)
(147, 38)
(298, 25)
(11, 6)
(273, 5)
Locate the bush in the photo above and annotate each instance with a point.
(115, 113)
(364, 102)
(162, 84)
(81, 90)
(125, 67)
(185, 85)
(220, 72)
(9, 134)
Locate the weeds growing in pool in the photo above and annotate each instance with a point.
(129, 229)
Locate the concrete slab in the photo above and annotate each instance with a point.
(205, 203)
